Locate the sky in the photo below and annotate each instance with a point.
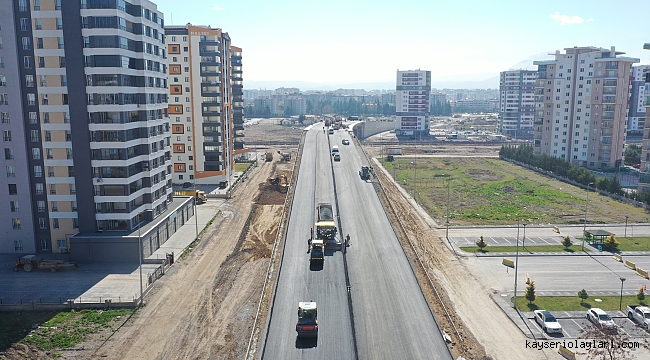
(348, 41)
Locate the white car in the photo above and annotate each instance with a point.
(547, 321)
(601, 319)
(346, 142)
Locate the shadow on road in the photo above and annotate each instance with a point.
(306, 343)
(316, 265)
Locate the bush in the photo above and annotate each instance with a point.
(640, 295)
(582, 294)
(530, 292)
(566, 242)
(481, 243)
(611, 242)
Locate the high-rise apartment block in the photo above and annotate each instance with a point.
(581, 102)
(86, 134)
(517, 103)
(206, 103)
(644, 176)
(636, 112)
(412, 103)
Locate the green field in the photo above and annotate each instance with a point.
(572, 303)
(488, 191)
(532, 249)
(641, 243)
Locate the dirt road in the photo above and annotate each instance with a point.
(204, 307)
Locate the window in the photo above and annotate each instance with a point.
(42, 223)
(24, 24)
(44, 244)
(38, 25)
(55, 206)
(29, 80)
(36, 153)
(61, 61)
(11, 171)
(35, 137)
(16, 223)
(50, 153)
(40, 204)
(61, 243)
(27, 43)
(5, 118)
(52, 189)
(39, 188)
(37, 5)
(31, 99)
(13, 189)
(73, 189)
(13, 205)
(9, 154)
(4, 99)
(61, 43)
(6, 135)
(50, 171)
(41, 62)
(27, 62)
(18, 245)
(38, 171)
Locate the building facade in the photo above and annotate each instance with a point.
(644, 176)
(581, 100)
(89, 91)
(517, 103)
(636, 112)
(412, 98)
(206, 103)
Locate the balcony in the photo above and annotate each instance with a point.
(210, 72)
(209, 42)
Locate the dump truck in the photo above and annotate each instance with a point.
(317, 250)
(29, 263)
(325, 225)
(364, 173)
(197, 194)
(307, 325)
(269, 157)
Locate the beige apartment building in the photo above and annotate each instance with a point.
(581, 100)
(205, 103)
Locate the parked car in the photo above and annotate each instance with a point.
(345, 142)
(601, 319)
(547, 321)
(337, 157)
(187, 185)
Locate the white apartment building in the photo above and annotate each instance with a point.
(412, 103)
(581, 106)
(517, 103)
(636, 112)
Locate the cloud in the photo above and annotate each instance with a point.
(566, 19)
(217, 7)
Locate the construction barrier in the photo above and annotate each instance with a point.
(642, 273)
(630, 264)
(508, 263)
(566, 353)
(618, 258)
(556, 229)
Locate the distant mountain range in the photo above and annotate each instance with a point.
(491, 82)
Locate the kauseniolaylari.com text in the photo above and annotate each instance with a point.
(580, 344)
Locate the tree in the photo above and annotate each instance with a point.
(608, 344)
(582, 294)
(632, 154)
(640, 295)
(530, 292)
(481, 243)
(566, 242)
(611, 242)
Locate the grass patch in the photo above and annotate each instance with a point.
(540, 248)
(572, 303)
(61, 330)
(488, 191)
(242, 167)
(641, 243)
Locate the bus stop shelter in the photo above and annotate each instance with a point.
(597, 236)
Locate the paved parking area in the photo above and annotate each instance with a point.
(507, 241)
(574, 323)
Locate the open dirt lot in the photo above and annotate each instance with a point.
(266, 132)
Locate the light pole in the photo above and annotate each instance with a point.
(524, 240)
(584, 227)
(196, 215)
(626, 216)
(516, 263)
(448, 203)
(620, 303)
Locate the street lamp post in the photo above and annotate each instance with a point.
(140, 258)
(524, 239)
(516, 263)
(448, 204)
(620, 303)
(584, 227)
(626, 216)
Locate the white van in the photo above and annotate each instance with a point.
(335, 150)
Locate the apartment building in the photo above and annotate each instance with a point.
(517, 103)
(206, 103)
(93, 83)
(636, 111)
(644, 176)
(581, 106)
(412, 103)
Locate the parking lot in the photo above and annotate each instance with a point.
(574, 322)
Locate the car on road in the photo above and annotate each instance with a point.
(187, 185)
(547, 321)
(337, 157)
(601, 319)
(345, 142)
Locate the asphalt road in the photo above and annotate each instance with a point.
(391, 317)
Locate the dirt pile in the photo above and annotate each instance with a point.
(25, 351)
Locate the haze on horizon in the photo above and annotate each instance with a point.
(352, 42)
